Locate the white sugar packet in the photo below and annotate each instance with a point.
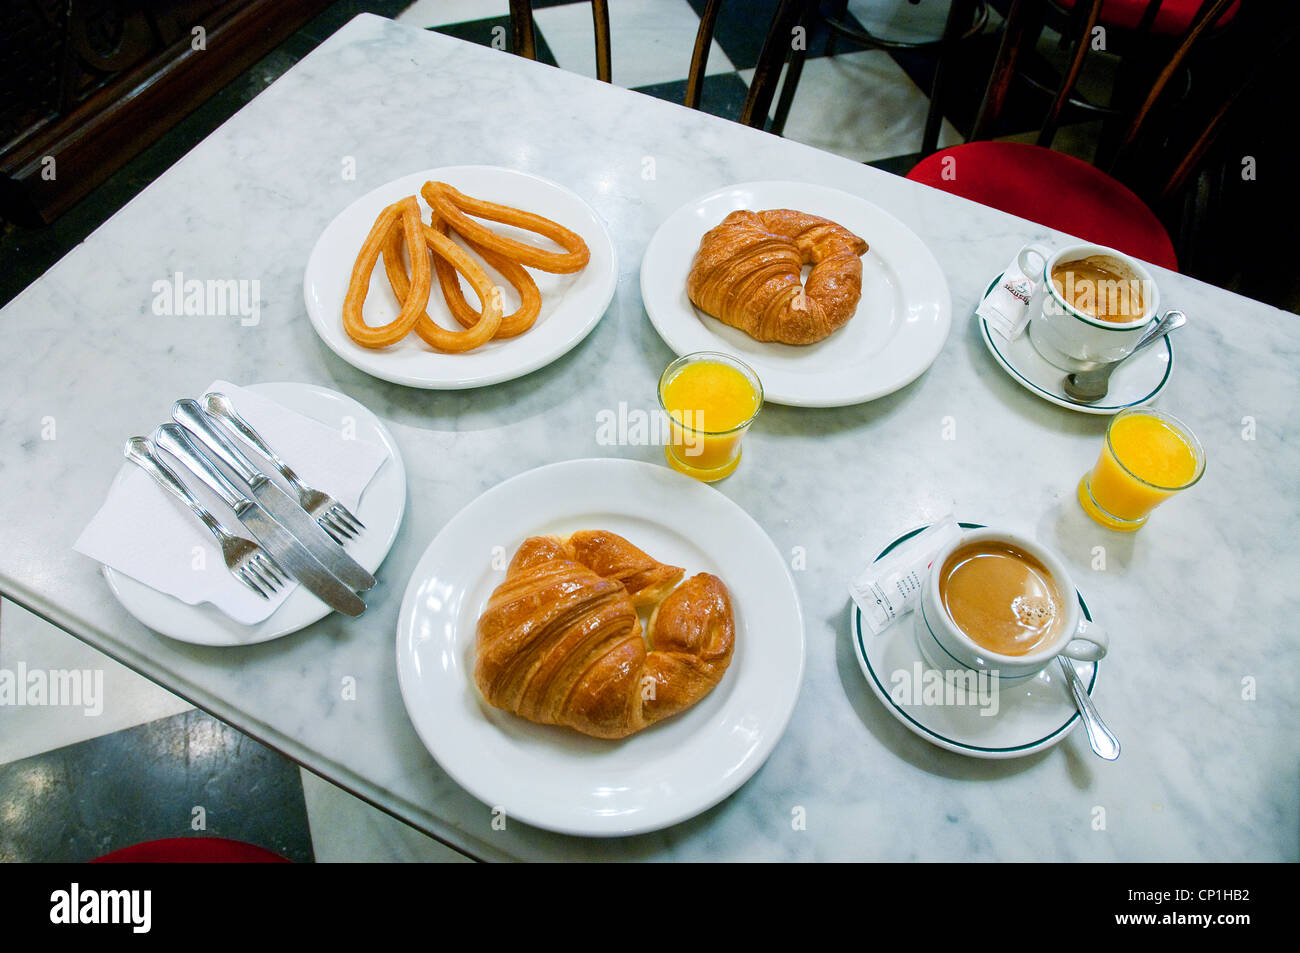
(144, 532)
(1006, 306)
(891, 586)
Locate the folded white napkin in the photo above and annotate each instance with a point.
(147, 534)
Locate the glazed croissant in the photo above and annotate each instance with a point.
(747, 273)
(560, 642)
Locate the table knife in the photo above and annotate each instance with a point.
(274, 538)
(279, 504)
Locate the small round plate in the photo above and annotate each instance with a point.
(1028, 718)
(553, 777)
(899, 329)
(1137, 381)
(571, 304)
(381, 508)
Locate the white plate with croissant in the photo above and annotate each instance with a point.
(601, 647)
(830, 299)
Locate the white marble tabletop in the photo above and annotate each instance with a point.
(1203, 677)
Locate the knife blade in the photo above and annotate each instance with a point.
(273, 537)
(279, 504)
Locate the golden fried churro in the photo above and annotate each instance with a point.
(489, 294)
(455, 208)
(398, 223)
(530, 299)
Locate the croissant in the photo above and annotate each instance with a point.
(747, 273)
(560, 642)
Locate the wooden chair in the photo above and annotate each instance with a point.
(1051, 188)
(777, 48)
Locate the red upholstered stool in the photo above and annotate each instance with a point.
(1052, 189)
(192, 850)
(1173, 19)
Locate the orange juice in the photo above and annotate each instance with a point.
(1147, 458)
(710, 400)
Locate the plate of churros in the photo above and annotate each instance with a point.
(510, 271)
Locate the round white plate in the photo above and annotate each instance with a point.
(381, 508)
(1032, 716)
(571, 304)
(1137, 381)
(899, 329)
(556, 778)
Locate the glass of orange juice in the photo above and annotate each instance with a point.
(1147, 458)
(710, 399)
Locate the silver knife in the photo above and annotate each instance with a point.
(279, 504)
(273, 537)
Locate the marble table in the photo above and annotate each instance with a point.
(1204, 674)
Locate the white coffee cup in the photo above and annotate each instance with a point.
(947, 648)
(1072, 339)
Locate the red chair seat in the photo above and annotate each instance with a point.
(1052, 189)
(1173, 19)
(192, 850)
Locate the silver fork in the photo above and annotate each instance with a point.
(333, 516)
(244, 558)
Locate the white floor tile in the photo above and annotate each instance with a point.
(861, 106)
(128, 699)
(345, 829)
(427, 13)
(650, 40)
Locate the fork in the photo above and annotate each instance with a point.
(333, 517)
(244, 558)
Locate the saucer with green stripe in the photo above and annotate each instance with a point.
(963, 715)
(1137, 381)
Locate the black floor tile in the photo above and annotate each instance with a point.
(144, 783)
(493, 31)
(898, 165)
(723, 95)
(326, 23)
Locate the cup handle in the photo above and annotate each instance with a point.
(1033, 274)
(1089, 643)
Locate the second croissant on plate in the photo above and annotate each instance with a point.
(560, 641)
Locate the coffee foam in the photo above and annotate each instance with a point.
(1003, 598)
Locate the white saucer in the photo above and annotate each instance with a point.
(1030, 717)
(1137, 381)
(556, 778)
(571, 304)
(381, 508)
(900, 326)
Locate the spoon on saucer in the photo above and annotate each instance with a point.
(1102, 739)
(1088, 387)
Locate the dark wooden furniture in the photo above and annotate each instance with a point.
(87, 84)
(1071, 195)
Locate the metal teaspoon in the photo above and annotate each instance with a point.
(1088, 387)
